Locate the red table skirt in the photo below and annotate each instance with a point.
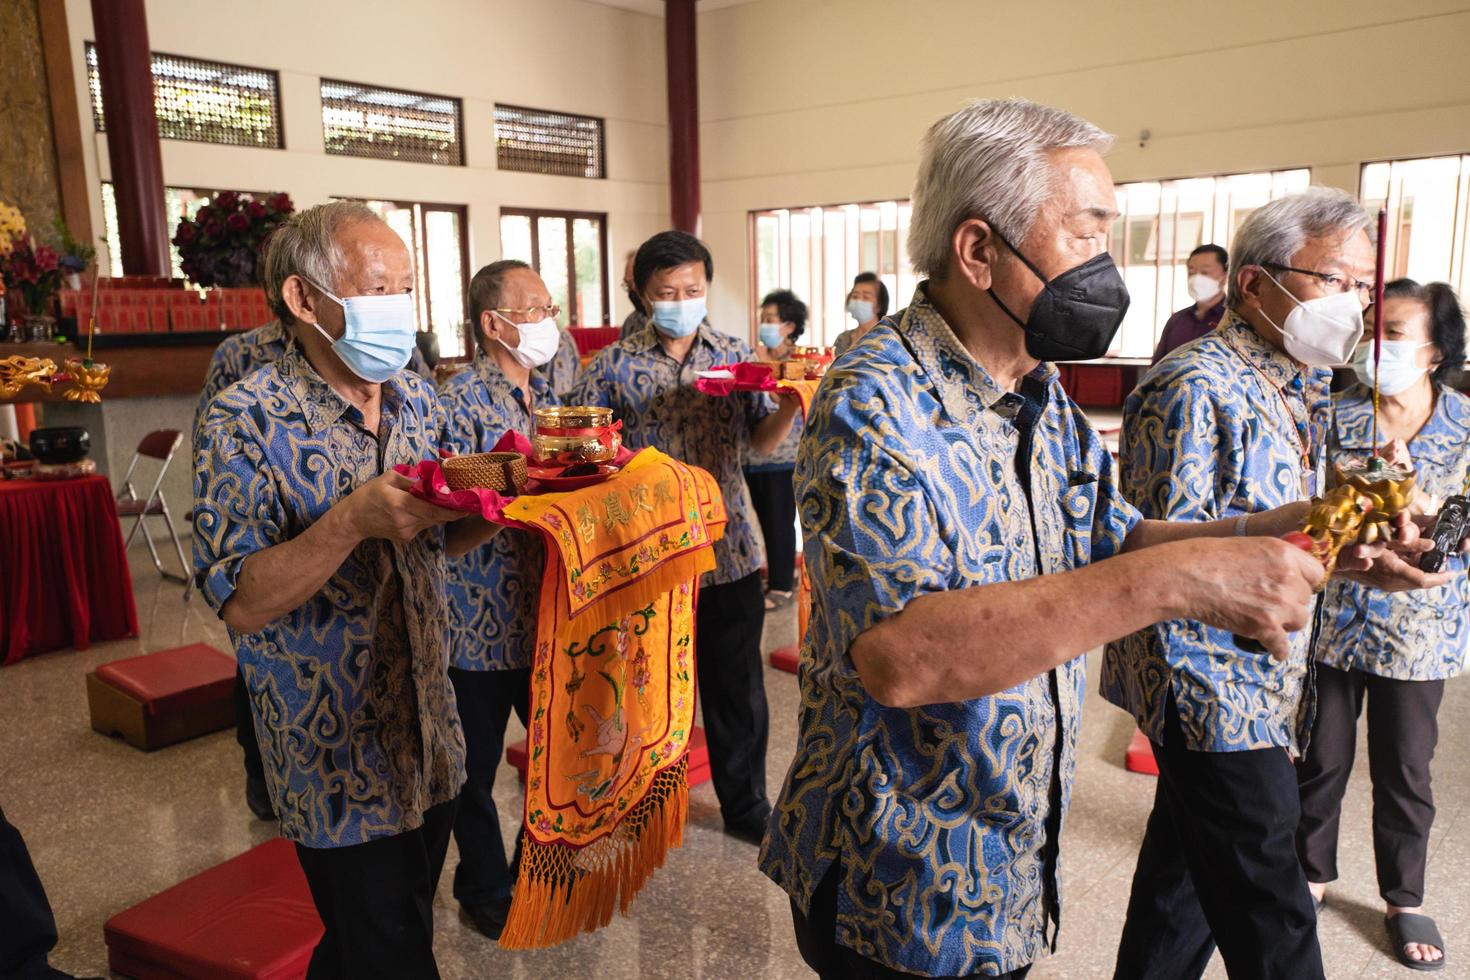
(64, 579)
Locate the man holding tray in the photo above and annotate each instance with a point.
(968, 544)
(647, 379)
(493, 592)
(331, 578)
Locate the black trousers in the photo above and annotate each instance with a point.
(816, 939)
(732, 691)
(245, 729)
(27, 927)
(775, 507)
(1218, 866)
(376, 902)
(1403, 729)
(486, 699)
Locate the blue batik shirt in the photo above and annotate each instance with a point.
(561, 371)
(1409, 636)
(918, 475)
(655, 398)
(493, 590)
(1223, 426)
(350, 693)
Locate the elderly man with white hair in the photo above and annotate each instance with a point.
(1230, 427)
(967, 545)
(331, 578)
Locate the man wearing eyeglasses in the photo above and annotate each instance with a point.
(1229, 428)
(493, 590)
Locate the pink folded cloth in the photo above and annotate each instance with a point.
(748, 377)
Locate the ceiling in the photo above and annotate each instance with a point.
(656, 7)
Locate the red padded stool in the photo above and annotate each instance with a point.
(1140, 756)
(250, 918)
(697, 773)
(165, 697)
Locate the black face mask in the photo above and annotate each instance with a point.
(1078, 313)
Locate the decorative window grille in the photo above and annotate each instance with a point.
(205, 101)
(539, 142)
(390, 124)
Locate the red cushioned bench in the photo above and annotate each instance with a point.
(165, 697)
(698, 771)
(250, 918)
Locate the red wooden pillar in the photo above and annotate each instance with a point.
(681, 55)
(125, 65)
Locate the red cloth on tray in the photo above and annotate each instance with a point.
(64, 579)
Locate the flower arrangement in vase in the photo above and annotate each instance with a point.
(221, 244)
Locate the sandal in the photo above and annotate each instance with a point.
(1406, 928)
(776, 599)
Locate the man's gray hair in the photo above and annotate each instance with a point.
(1276, 231)
(989, 160)
(306, 245)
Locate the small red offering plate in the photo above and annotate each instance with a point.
(549, 478)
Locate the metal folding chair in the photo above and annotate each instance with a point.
(160, 445)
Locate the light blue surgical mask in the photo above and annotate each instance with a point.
(771, 336)
(378, 338)
(678, 318)
(1398, 368)
(860, 310)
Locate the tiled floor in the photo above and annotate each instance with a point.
(108, 825)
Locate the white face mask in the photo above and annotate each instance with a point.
(1321, 332)
(860, 310)
(1398, 367)
(539, 342)
(1202, 287)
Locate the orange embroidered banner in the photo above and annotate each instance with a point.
(612, 690)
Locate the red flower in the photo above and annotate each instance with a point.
(213, 229)
(237, 222)
(255, 209)
(280, 202)
(185, 233)
(227, 200)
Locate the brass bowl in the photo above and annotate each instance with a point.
(502, 472)
(567, 450)
(573, 417)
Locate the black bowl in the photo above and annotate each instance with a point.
(62, 444)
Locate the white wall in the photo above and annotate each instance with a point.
(566, 55)
(824, 101)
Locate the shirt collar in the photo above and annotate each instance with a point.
(320, 404)
(1276, 366)
(943, 358)
(496, 380)
(645, 338)
(1213, 314)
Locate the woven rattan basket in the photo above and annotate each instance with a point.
(502, 472)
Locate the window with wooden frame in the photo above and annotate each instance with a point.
(1428, 201)
(568, 249)
(1160, 222)
(816, 252)
(205, 101)
(437, 239)
(391, 124)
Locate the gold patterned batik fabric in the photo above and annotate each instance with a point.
(493, 589)
(1409, 636)
(1214, 431)
(356, 719)
(918, 475)
(654, 397)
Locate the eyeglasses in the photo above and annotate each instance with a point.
(532, 314)
(1333, 281)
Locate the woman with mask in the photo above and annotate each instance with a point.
(782, 322)
(867, 303)
(1393, 651)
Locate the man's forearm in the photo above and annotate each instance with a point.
(952, 646)
(1270, 523)
(770, 430)
(279, 579)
